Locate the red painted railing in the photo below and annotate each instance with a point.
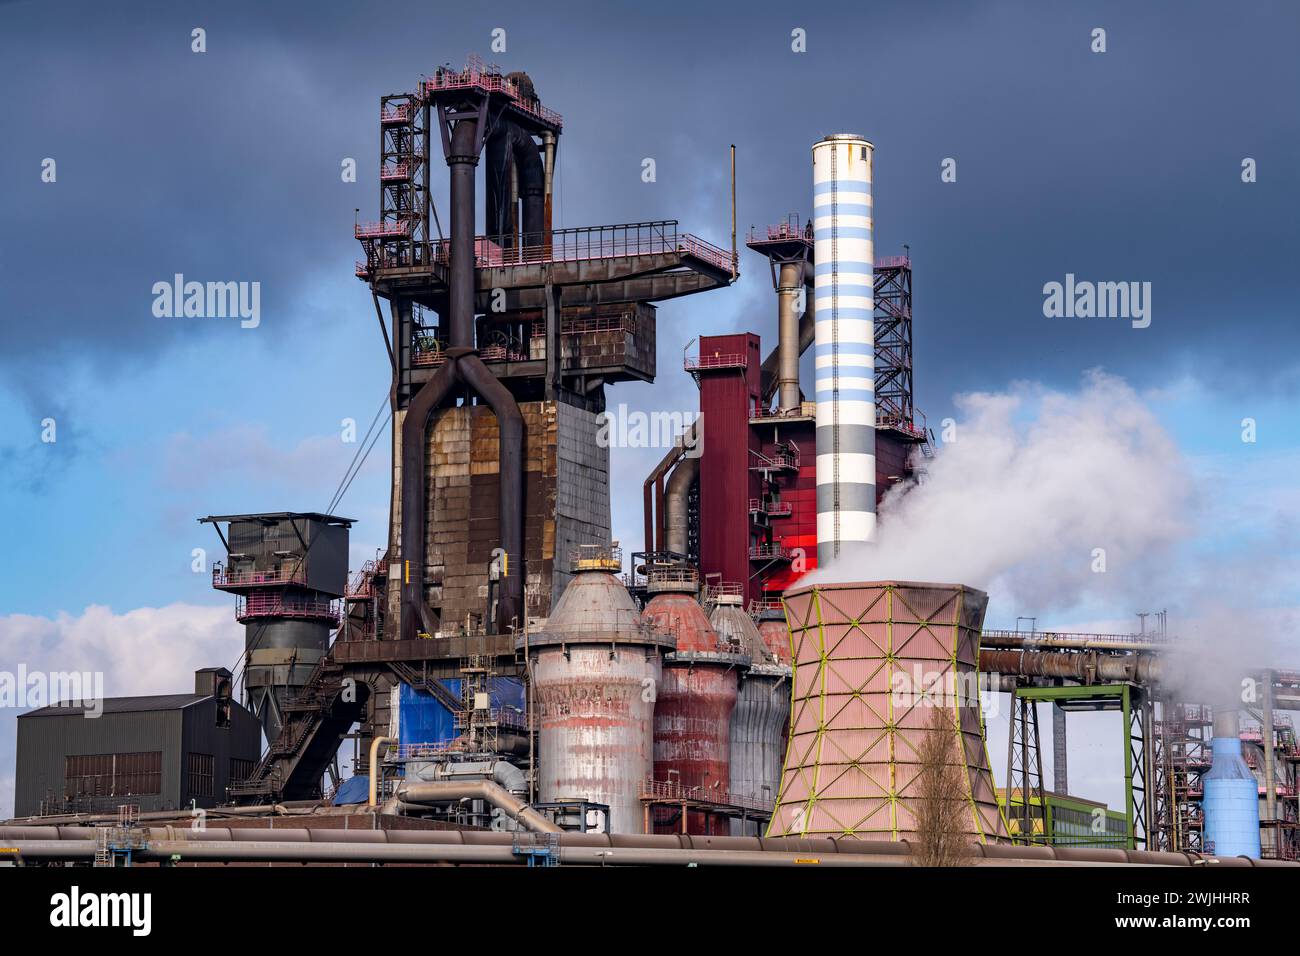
(717, 360)
(226, 578)
(276, 604)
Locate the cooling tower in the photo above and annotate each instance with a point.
(872, 661)
(843, 302)
(594, 670)
(1231, 794)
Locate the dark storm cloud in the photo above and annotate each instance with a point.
(1116, 166)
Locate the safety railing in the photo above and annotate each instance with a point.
(226, 578)
(396, 114)
(767, 551)
(399, 171)
(671, 790)
(791, 228)
(716, 360)
(773, 509)
(488, 78)
(382, 230)
(274, 604)
(621, 240)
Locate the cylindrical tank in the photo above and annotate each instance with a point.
(776, 637)
(696, 700)
(594, 671)
(761, 715)
(1231, 800)
(844, 305)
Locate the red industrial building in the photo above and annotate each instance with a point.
(739, 499)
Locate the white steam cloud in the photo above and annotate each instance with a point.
(1040, 497)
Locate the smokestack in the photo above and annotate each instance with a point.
(845, 353)
(1231, 793)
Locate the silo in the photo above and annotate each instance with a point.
(874, 663)
(762, 710)
(594, 671)
(696, 699)
(1231, 800)
(844, 346)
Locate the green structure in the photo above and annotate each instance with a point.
(1024, 762)
(1060, 820)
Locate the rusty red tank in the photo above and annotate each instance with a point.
(693, 708)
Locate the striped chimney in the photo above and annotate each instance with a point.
(845, 354)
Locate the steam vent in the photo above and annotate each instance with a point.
(852, 767)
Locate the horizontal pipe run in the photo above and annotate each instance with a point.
(219, 844)
(203, 851)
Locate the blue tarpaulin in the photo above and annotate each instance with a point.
(352, 790)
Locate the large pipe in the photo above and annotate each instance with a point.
(462, 159)
(676, 501)
(1084, 667)
(463, 364)
(416, 613)
(787, 295)
(843, 303)
(374, 768)
(218, 844)
(486, 790)
(510, 485)
(512, 155)
(769, 373)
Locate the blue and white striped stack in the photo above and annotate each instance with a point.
(845, 351)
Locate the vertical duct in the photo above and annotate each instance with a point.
(1231, 799)
(676, 504)
(845, 356)
(787, 296)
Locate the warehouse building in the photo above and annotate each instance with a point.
(160, 753)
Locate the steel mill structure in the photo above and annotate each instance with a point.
(513, 694)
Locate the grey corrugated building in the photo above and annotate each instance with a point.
(159, 753)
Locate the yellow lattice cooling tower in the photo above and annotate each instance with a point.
(872, 661)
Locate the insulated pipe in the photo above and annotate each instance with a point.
(653, 503)
(787, 294)
(676, 497)
(769, 372)
(1084, 666)
(486, 790)
(374, 763)
(423, 846)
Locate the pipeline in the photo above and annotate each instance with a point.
(510, 147)
(676, 496)
(653, 489)
(1086, 666)
(463, 365)
(788, 337)
(219, 844)
(486, 790)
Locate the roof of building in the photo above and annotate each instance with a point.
(281, 516)
(122, 705)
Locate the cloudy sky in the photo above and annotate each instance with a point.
(1123, 165)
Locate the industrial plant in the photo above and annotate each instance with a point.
(506, 684)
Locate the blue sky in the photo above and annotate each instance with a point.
(225, 166)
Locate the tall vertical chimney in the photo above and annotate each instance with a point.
(845, 353)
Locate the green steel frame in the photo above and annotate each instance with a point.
(1136, 713)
